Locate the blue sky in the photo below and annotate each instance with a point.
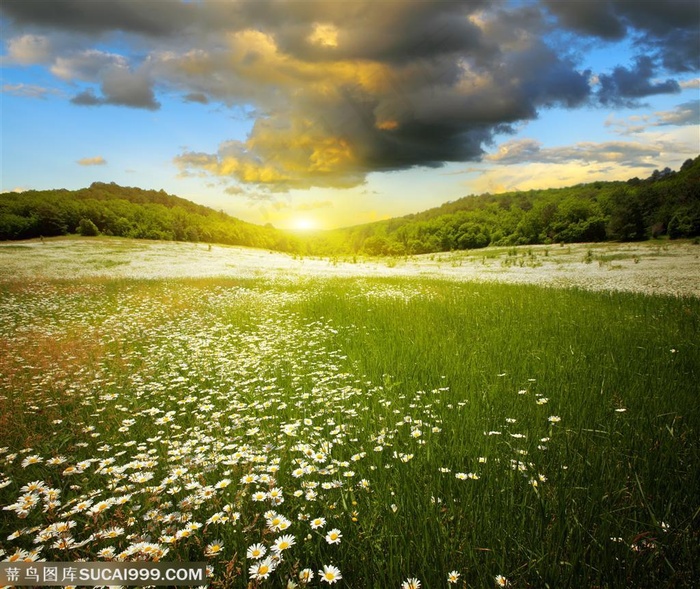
(324, 114)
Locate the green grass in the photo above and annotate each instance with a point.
(403, 383)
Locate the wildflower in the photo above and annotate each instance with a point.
(20, 555)
(411, 583)
(334, 536)
(214, 548)
(330, 574)
(319, 522)
(305, 575)
(501, 581)
(261, 570)
(106, 553)
(277, 523)
(180, 534)
(34, 487)
(256, 551)
(453, 577)
(33, 459)
(554, 419)
(283, 542)
(217, 517)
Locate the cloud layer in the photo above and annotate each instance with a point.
(342, 89)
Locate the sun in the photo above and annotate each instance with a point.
(303, 224)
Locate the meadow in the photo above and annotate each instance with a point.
(354, 431)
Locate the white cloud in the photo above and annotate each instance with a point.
(29, 49)
(28, 90)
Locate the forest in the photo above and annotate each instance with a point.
(110, 209)
(666, 204)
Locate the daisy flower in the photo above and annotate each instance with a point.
(330, 574)
(334, 536)
(214, 548)
(453, 577)
(261, 570)
(256, 551)
(411, 583)
(33, 459)
(305, 575)
(283, 542)
(319, 522)
(501, 581)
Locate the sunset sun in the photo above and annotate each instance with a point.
(303, 224)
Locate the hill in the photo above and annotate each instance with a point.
(110, 209)
(665, 204)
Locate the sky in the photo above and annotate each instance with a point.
(315, 114)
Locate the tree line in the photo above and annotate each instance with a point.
(110, 209)
(667, 203)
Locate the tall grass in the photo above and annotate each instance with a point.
(548, 436)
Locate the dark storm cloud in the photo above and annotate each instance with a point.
(395, 32)
(624, 87)
(120, 87)
(86, 98)
(342, 89)
(669, 29)
(150, 18)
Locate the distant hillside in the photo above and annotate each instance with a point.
(110, 209)
(665, 204)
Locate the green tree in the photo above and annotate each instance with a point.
(87, 228)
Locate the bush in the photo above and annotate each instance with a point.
(87, 228)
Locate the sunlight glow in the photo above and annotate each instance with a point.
(303, 224)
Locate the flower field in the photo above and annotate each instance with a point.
(355, 432)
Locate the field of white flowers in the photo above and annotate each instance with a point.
(660, 267)
(369, 432)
